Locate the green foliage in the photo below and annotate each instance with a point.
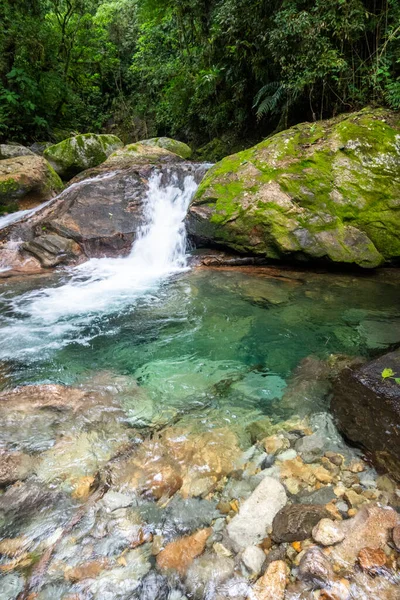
(198, 70)
(390, 374)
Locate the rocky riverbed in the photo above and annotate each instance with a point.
(270, 511)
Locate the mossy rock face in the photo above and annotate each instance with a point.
(26, 181)
(179, 148)
(318, 191)
(71, 156)
(138, 154)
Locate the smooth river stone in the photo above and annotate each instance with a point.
(256, 514)
(295, 522)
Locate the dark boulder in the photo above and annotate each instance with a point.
(295, 522)
(100, 213)
(366, 406)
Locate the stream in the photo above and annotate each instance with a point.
(176, 374)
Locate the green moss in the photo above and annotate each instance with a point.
(73, 155)
(179, 148)
(8, 187)
(329, 175)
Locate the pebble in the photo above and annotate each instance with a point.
(222, 550)
(356, 466)
(272, 585)
(396, 537)
(336, 459)
(275, 443)
(371, 559)
(322, 496)
(342, 507)
(354, 499)
(253, 558)
(287, 455)
(295, 522)
(315, 568)
(180, 554)
(327, 533)
(256, 514)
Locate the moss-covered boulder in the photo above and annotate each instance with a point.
(26, 181)
(179, 148)
(318, 191)
(137, 154)
(75, 154)
(13, 150)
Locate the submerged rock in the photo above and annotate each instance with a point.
(272, 585)
(253, 558)
(206, 573)
(14, 466)
(179, 459)
(366, 406)
(179, 555)
(315, 568)
(370, 528)
(295, 522)
(317, 191)
(328, 533)
(252, 523)
(75, 154)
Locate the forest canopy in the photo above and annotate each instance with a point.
(199, 70)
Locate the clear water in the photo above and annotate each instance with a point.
(164, 345)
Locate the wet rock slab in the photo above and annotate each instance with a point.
(366, 406)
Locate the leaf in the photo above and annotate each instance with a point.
(387, 373)
(397, 380)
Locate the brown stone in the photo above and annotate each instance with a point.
(334, 458)
(370, 528)
(272, 585)
(295, 522)
(371, 559)
(14, 466)
(354, 499)
(180, 554)
(315, 568)
(322, 475)
(34, 397)
(88, 570)
(297, 469)
(188, 461)
(13, 546)
(275, 443)
(356, 466)
(83, 487)
(396, 537)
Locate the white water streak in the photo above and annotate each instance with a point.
(51, 318)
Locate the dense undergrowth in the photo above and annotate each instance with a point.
(220, 74)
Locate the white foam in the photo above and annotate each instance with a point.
(53, 317)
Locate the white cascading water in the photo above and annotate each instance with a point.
(51, 318)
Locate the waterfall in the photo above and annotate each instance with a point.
(56, 316)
